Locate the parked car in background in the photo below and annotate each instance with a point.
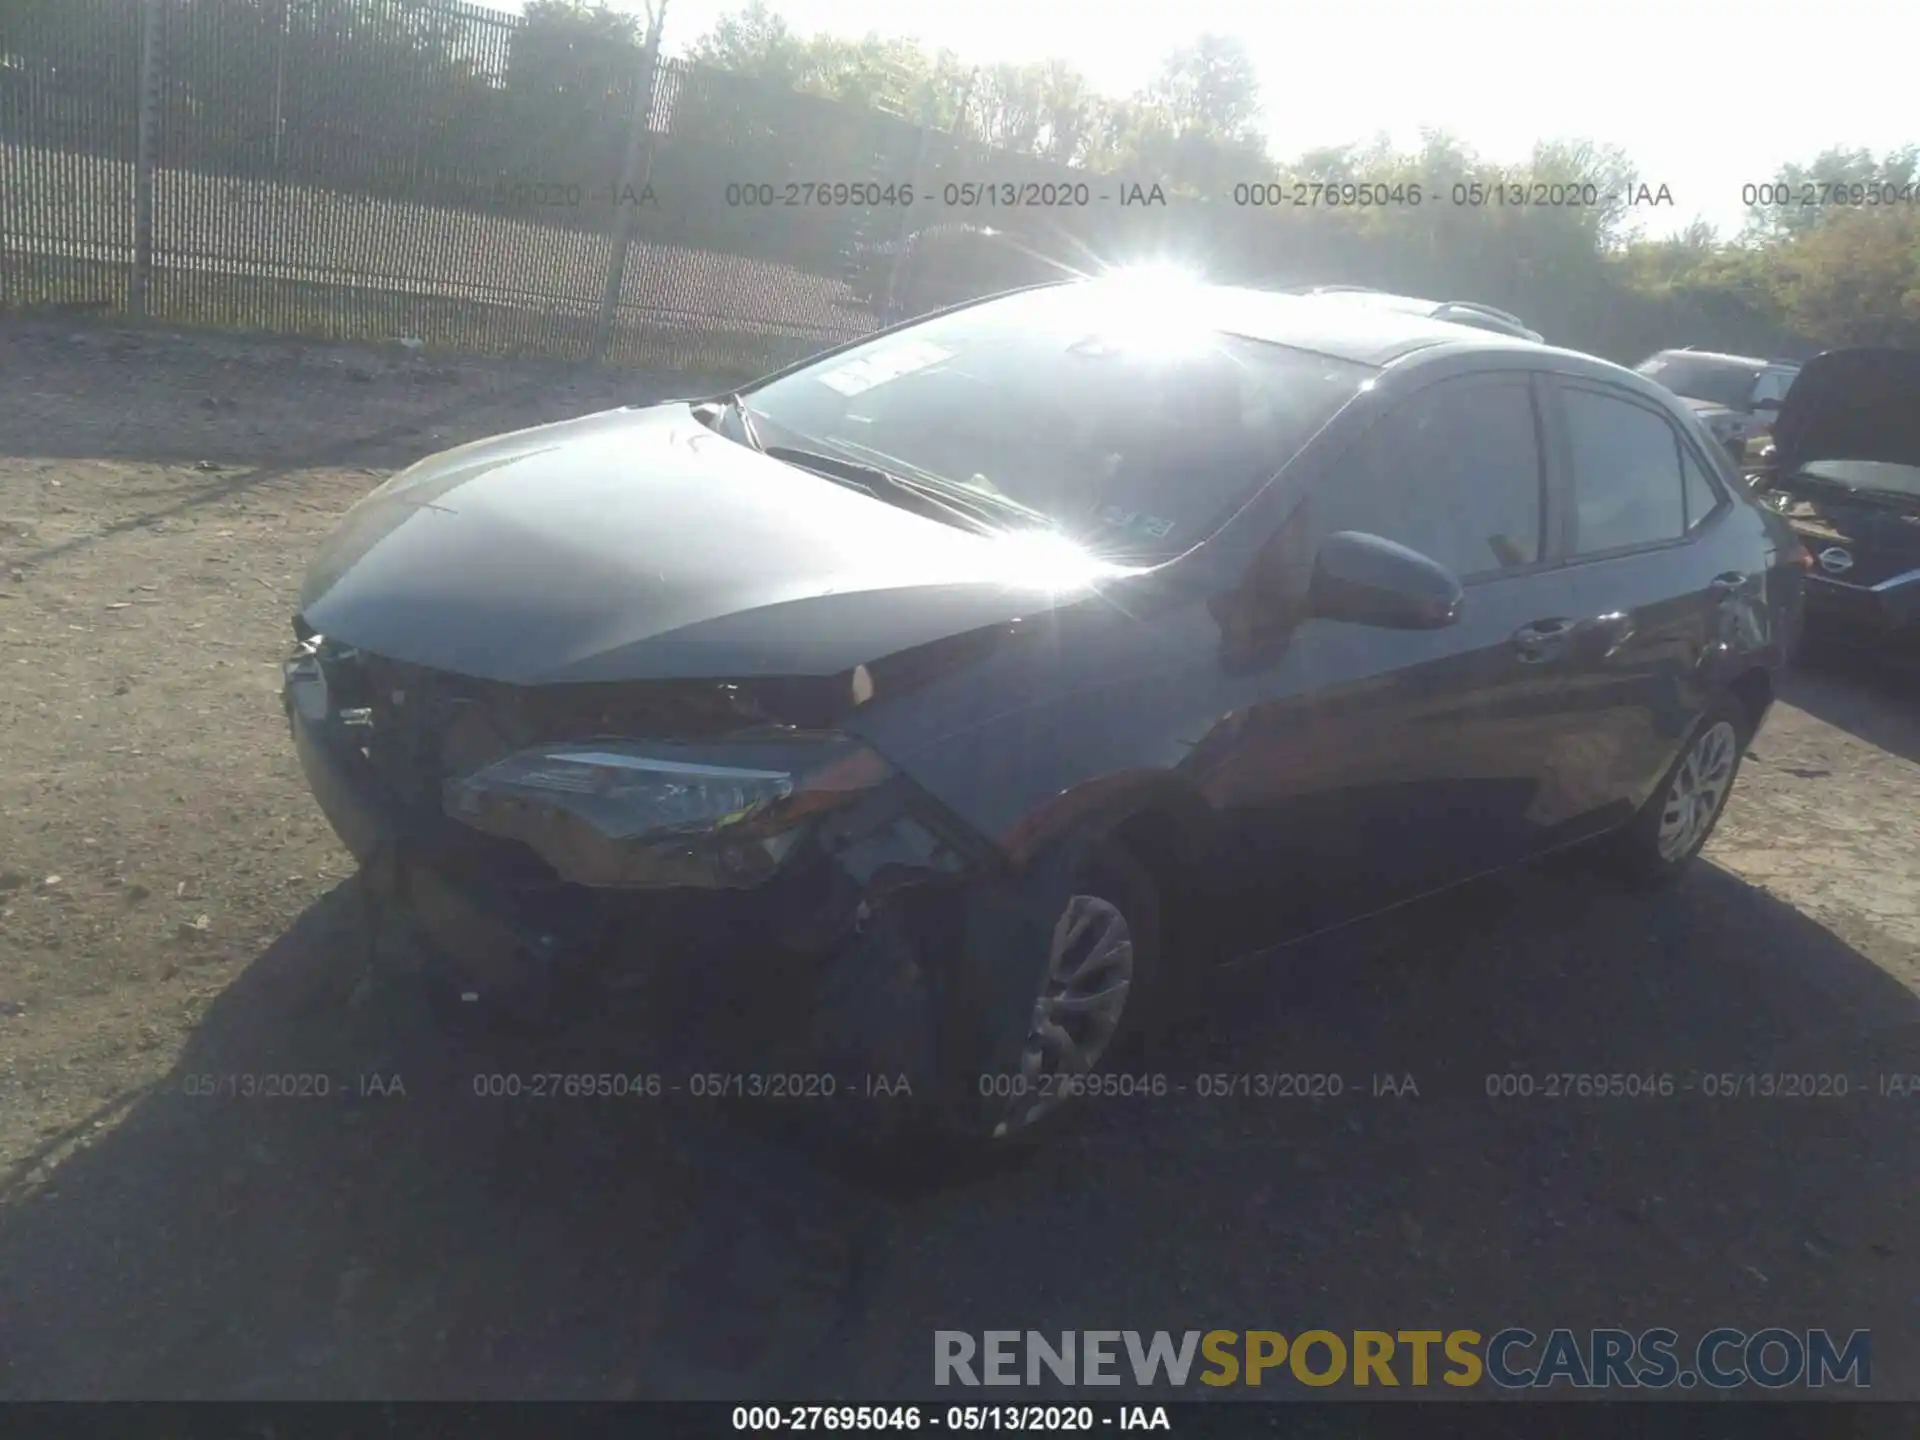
(1845, 474)
(945, 264)
(963, 691)
(1735, 396)
(1460, 312)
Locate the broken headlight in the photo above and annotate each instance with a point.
(632, 815)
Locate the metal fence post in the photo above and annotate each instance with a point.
(903, 229)
(280, 82)
(639, 141)
(151, 20)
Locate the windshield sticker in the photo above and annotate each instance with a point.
(1135, 521)
(889, 364)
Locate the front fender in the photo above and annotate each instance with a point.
(1106, 803)
(1087, 719)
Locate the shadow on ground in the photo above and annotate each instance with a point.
(444, 1245)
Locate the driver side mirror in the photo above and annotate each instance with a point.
(1369, 580)
(1768, 402)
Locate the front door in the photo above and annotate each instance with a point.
(1371, 765)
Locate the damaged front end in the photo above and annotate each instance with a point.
(610, 829)
(626, 815)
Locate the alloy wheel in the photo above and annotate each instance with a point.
(1698, 791)
(1078, 1010)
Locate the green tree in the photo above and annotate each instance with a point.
(1897, 170)
(875, 72)
(1680, 259)
(69, 73)
(1853, 280)
(1046, 109)
(1210, 87)
(754, 42)
(572, 62)
(569, 81)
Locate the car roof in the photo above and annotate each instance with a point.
(1368, 334)
(1721, 356)
(1489, 318)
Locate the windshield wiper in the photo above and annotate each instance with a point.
(709, 412)
(882, 484)
(741, 413)
(987, 502)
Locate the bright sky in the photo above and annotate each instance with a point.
(1704, 95)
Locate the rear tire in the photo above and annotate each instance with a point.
(1655, 848)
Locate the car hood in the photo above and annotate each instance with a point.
(639, 544)
(1851, 405)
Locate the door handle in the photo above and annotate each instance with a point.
(1727, 584)
(1542, 639)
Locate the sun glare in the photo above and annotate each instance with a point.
(1155, 307)
(1047, 560)
(1153, 274)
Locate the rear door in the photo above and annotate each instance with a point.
(1657, 573)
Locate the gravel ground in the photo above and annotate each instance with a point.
(173, 906)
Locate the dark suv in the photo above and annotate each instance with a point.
(1845, 472)
(1735, 396)
(963, 690)
(947, 263)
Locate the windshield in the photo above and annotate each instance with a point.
(1126, 423)
(1868, 475)
(1697, 377)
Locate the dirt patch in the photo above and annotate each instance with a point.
(160, 495)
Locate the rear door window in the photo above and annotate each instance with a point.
(1628, 486)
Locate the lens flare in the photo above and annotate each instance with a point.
(1153, 274)
(1049, 561)
(1154, 307)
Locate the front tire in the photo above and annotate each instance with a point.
(1091, 997)
(1660, 842)
(1065, 963)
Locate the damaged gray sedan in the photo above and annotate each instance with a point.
(932, 687)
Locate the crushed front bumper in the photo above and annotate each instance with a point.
(502, 929)
(506, 929)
